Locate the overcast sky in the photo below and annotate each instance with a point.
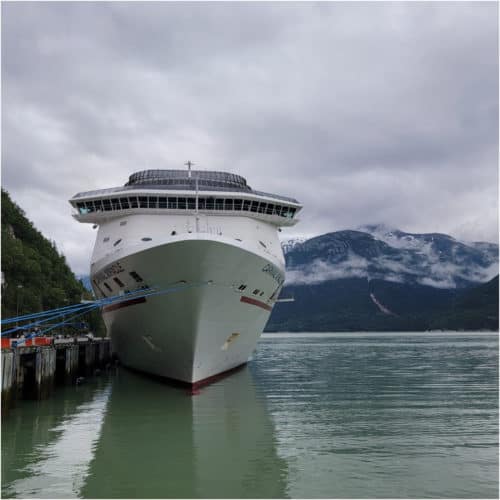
(365, 112)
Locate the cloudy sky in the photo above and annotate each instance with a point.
(365, 112)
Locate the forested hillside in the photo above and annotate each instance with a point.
(35, 275)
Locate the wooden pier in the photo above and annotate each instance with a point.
(32, 369)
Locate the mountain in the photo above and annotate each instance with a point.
(385, 279)
(35, 276)
(434, 259)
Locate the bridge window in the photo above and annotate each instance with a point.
(133, 202)
(106, 205)
(153, 202)
(143, 201)
(210, 203)
(277, 210)
(172, 202)
(237, 204)
(219, 204)
(191, 203)
(124, 202)
(181, 203)
(262, 208)
(202, 203)
(246, 205)
(270, 209)
(228, 204)
(162, 202)
(254, 206)
(98, 205)
(89, 206)
(116, 204)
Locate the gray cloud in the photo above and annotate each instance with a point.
(366, 112)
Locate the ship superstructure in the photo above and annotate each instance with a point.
(209, 236)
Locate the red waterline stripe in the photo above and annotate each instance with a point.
(255, 302)
(196, 386)
(125, 303)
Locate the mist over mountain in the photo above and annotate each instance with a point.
(377, 252)
(378, 278)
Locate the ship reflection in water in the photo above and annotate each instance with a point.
(388, 415)
(135, 437)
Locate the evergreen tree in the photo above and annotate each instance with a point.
(35, 275)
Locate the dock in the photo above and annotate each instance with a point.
(31, 369)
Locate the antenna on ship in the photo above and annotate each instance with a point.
(189, 164)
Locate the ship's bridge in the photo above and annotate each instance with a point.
(178, 191)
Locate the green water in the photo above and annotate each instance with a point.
(335, 415)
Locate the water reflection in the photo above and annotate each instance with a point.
(48, 456)
(349, 416)
(158, 441)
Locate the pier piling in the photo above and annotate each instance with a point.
(32, 371)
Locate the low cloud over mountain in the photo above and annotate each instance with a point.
(377, 252)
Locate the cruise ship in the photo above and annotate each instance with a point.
(208, 244)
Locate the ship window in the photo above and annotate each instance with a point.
(256, 291)
(108, 287)
(133, 202)
(153, 202)
(191, 203)
(98, 205)
(135, 276)
(255, 204)
(117, 242)
(89, 206)
(246, 205)
(99, 288)
(284, 212)
(261, 294)
(105, 240)
(172, 202)
(262, 208)
(270, 209)
(106, 204)
(210, 203)
(237, 204)
(118, 281)
(123, 223)
(146, 239)
(124, 202)
(173, 233)
(263, 244)
(181, 203)
(116, 204)
(162, 202)
(219, 204)
(277, 209)
(143, 201)
(228, 204)
(242, 287)
(202, 202)
(292, 212)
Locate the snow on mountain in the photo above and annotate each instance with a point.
(381, 252)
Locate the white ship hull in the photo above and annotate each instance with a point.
(204, 325)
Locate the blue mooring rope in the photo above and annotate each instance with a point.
(85, 308)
